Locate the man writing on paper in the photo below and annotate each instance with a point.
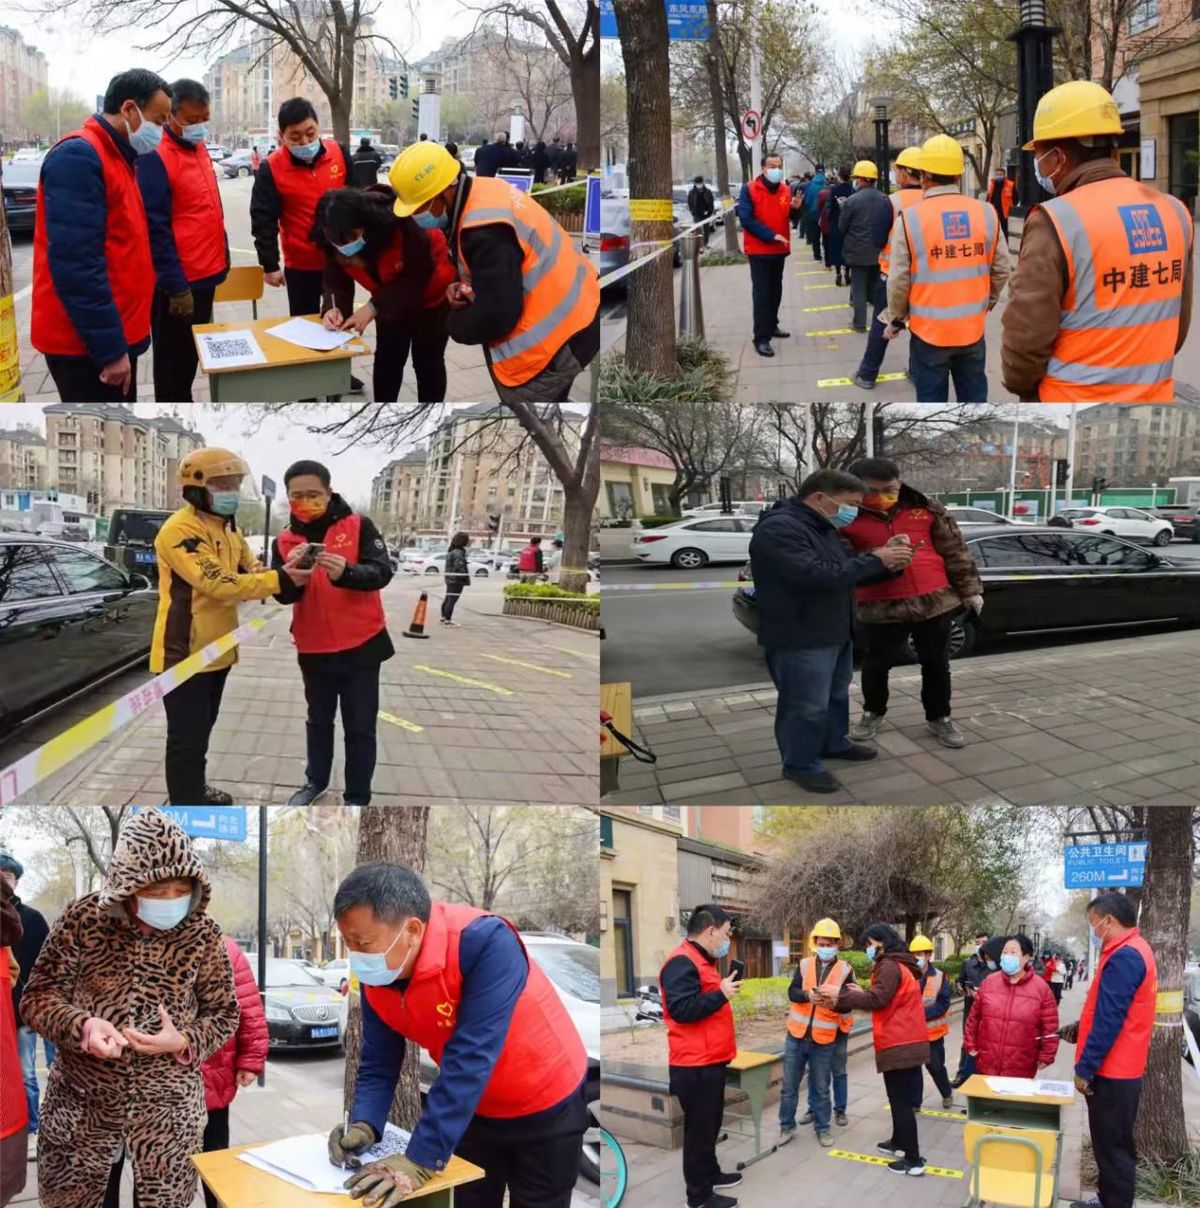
(457, 982)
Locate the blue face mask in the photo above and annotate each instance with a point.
(196, 133)
(146, 137)
(371, 968)
(774, 175)
(872, 953)
(1044, 181)
(307, 152)
(722, 949)
(164, 913)
(225, 503)
(827, 954)
(430, 221)
(846, 514)
(992, 965)
(352, 248)
(1009, 963)
(922, 961)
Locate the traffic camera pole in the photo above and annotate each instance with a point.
(1035, 77)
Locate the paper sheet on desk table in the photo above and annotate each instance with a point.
(304, 1160)
(308, 334)
(1030, 1086)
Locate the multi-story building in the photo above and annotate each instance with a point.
(634, 482)
(396, 494)
(1134, 444)
(23, 458)
(22, 73)
(180, 441)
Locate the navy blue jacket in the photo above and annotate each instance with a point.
(804, 578)
(488, 159)
(940, 1004)
(1123, 973)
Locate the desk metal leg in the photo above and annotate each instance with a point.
(754, 1083)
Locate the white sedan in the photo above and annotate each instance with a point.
(689, 544)
(1131, 523)
(435, 564)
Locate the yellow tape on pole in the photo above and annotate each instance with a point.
(1168, 1002)
(651, 209)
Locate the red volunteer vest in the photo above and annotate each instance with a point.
(14, 1114)
(300, 188)
(773, 210)
(1127, 1057)
(711, 1041)
(527, 560)
(197, 218)
(126, 254)
(328, 618)
(926, 573)
(902, 1021)
(391, 264)
(543, 1059)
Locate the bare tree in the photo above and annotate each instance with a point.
(95, 827)
(536, 85)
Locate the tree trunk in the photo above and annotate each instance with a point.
(578, 502)
(720, 147)
(395, 834)
(585, 88)
(1160, 1130)
(650, 338)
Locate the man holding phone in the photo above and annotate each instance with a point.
(701, 1043)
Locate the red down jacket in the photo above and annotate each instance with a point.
(246, 1049)
(1005, 1025)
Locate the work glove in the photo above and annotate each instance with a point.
(345, 1141)
(180, 305)
(375, 1184)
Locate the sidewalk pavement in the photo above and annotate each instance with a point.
(1115, 723)
(500, 710)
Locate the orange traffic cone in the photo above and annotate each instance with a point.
(416, 627)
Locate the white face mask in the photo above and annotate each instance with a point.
(1044, 181)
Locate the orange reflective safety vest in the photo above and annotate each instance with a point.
(1127, 1057)
(299, 188)
(543, 1059)
(937, 1027)
(562, 287)
(826, 1024)
(901, 200)
(1126, 246)
(952, 243)
(1008, 191)
(902, 1021)
(708, 1041)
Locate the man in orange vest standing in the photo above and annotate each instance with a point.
(935, 997)
(510, 1094)
(187, 238)
(525, 293)
(1002, 196)
(1101, 298)
(818, 1038)
(946, 274)
(1112, 1040)
(700, 1044)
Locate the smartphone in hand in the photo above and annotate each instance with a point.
(737, 970)
(308, 559)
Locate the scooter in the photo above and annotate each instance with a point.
(649, 1008)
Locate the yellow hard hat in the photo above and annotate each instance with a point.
(1075, 110)
(942, 156)
(921, 943)
(909, 158)
(202, 464)
(865, 168)
(419, 173)
(825, 927)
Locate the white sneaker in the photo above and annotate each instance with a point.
(31, 1148)
(866, 727)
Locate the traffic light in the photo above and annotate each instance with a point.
(877, 432)
(393, 90)
(403, 86)
(1060, 471)
(1099, 484)
(493, 522)
(416, 109)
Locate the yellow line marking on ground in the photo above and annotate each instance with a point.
(499, 658)
(812, 272)
(590, 655)
(831, 285)
(463, 679)
(938, 1115)
(832, 331)
(883, 377)
(946, 1172)
(399, 721)
(808, 310)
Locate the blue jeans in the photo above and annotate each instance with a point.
(27, 1040)
(872, 359)
(822, 1061)
(813, 711)
(931, 367)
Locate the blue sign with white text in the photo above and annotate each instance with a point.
(1143, 229)
(1104, 865)
(210, 821)
(687, 20)
(522, 183)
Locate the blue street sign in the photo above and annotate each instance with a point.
(210, 821)
(687, 20)
(591, 207)
(520, 181)
(1100, 865)
(268, 487)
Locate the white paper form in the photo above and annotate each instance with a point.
(304, 1160)
(229, 349)
(307, 334)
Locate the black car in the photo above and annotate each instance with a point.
(130, 541)
(1184, 518)
(68, 619)
(302, 1012)
(19, 182)
(1039, 579)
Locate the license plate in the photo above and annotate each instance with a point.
(323, 1033)
(143, 555)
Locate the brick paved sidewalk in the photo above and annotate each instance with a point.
(1114, 722)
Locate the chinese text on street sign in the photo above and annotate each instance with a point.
(1097, 865)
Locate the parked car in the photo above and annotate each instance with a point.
(131, 536)
(68, 619)
(690, 544)
(435, 564)
(216, 151)
(302, 1012)
(238, 163)
(741, 507)
(335, 975)
(1135, 524)
(19, 182)
(965, 514)
(1184, 518)
(615, 234)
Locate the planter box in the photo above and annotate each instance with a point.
(561, 612)
(571, 223)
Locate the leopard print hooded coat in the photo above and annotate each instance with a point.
(98, 962)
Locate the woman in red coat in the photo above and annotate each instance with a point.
(14, 1113)
(1013, 1029)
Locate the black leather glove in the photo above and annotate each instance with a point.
(181, 305)
(375, 1186)
(345, 1141)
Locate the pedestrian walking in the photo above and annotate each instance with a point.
(14, 1112)
(838, 195)
(945, 275)
(763, 208)
(701, 205)
(1054, 975)
(812, 229)
(1072, 965)
(864, 223)
(1002, 195)
(970, 978)
(1101, 299)
(918, 605)
(458, 575)
(531, 561)
(935, 999)
(364, 167)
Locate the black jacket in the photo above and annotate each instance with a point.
(804, 578)
(456, 565)
(684, 999)
(33, 936)
(864, 223)
(364, 167)
(972, 974)
(700, 202)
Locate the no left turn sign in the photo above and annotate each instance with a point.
(751, 125)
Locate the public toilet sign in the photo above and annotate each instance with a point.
(209, 821)
(751, 125)
(1099, 865)
(687, 20)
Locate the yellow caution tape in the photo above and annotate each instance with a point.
(499, 658)
(808, 310)
(883, 377)
(1168, 1002)
(832, 331)
(462, 679)
(643, 209)
(944, 1171)
(399, 721)
(727, 203)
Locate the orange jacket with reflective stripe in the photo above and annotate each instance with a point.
(952, 243)
(939, 1026)
(900, 200)
(1126, 246)
(1127, 1058)
(562, 288)
(825, 1023)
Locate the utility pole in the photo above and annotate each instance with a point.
(1070, 485)
(1035, 77)
(756, 148)
(1012, 473)
(720, 148)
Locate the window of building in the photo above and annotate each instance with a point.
(1143, 15)
(622, 924)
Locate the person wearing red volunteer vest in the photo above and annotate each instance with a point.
(764, 210)
(531, 562)
(700, 1044)
(900, 1035)
(14, 1111)
(935, 1000)
(93, 276)
(1112, 1040)
(405, 271)
(511, 1090)
(338, 625)
(920, 602)
(187, 238)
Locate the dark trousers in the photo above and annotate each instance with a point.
(700, 1090)
(872, 357)
(77, 380)
(356, 689)
(766, 293)
(216, 1136)
(1112, 1109)
(1056, 989)
(966, 1063)
(304, 290)
(813, 711)
(931, 367)
(904, 1089)
(885, 647)
(812, 232)
(192, 710)
(392, 343)
(863, 280)
(174, 348)
(936, 1065)
(454, 589)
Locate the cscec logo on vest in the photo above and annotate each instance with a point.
(1143, 228)
(955, 224)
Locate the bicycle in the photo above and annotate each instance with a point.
(614, 1170)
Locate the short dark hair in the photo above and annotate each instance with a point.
(771, 155)
(188, 90)
(11, 864)
(707, 915)
(453, 149)
(993, 947)
(364, 142)
(1116, 904)
(460, 540)
(830, 482)
(879, 468)
(699, 180)
(307, 467)
(889, 937)
(394, 892)
(982, 931)
(294, 111)
(535, 540)
(137, 85)
(939, 179)
(820, 167)
(1024, 941)
(844, 172)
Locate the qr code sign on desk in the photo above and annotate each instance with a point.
(224, 349)
(229, 349)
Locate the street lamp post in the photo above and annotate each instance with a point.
(1035, 77)
(881, 104)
